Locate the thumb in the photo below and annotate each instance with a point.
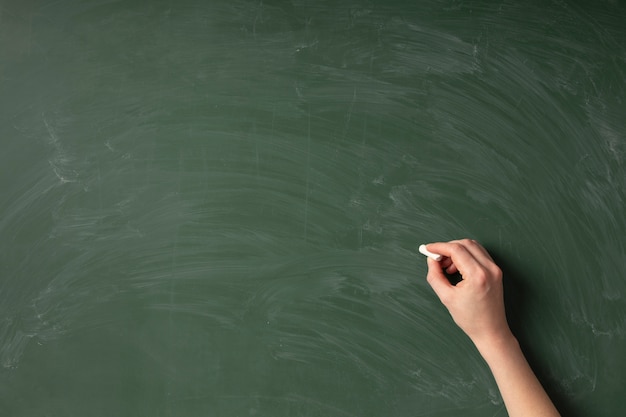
(438, 280)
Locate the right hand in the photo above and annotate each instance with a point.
(476, 303)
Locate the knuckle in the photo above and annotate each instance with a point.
(496, 272)
(481, 276)
(431, 279)
(456, 247)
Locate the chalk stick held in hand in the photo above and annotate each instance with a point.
(428, 253)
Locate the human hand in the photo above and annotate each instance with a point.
(476, 303)
(477, 306)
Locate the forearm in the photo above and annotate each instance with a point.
(477, 306)
(521, 391)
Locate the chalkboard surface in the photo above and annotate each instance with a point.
(213, 208)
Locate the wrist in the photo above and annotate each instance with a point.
(495, 345)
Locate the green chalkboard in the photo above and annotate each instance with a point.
(213, 208)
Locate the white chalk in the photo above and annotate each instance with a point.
(428, 253)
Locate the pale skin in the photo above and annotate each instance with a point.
(476, 305)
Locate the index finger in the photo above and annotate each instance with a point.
(479, 252)
(475, 248)
(464, 258)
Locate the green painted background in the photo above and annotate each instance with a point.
(213, 208)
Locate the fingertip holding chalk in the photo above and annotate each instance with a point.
(428, 253)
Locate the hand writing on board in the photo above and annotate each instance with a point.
(476, 305)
